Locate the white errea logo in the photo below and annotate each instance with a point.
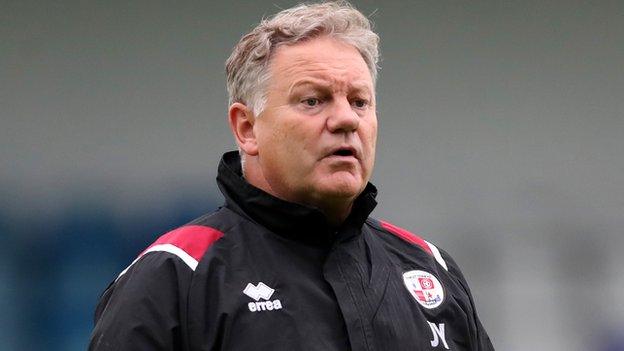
(261, 291)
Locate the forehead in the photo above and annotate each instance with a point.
(320, 59)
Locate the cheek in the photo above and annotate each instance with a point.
(274, 137)
(370, 136)
(374, 137)
(302, 136)
(289, 143)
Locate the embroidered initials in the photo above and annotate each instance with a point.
(438, 334)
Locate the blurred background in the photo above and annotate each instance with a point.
(501, 139)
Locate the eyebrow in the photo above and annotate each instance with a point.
(312, 82)
(357, 86)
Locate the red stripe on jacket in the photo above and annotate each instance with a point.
(193, 239)
(406, 235)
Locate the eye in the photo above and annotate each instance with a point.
(360, 103)
(311, 102)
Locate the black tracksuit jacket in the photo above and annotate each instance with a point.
(261, 273)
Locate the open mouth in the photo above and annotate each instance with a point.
(344, 152)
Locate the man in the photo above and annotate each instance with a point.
(293, 261)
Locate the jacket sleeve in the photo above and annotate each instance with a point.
(144, 308)
(480, 339)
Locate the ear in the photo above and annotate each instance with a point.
(242, 122)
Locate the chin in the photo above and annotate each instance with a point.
(345, 188)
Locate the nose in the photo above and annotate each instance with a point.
(342, 117)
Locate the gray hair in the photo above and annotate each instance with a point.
(247, 68)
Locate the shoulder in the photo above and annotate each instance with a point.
(182, 248)
(143, 304)
(163, 268)
(395, 233)
(185, 245)
(402, 240)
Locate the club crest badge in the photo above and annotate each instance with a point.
(424, 287)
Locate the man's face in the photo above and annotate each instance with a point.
(316, 136)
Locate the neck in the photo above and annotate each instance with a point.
(335, 209)
(336, 213)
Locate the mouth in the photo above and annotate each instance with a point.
(344, 151)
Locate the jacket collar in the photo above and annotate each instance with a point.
(294, 221)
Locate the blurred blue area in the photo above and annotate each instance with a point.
(612, 339)
(54, 268)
